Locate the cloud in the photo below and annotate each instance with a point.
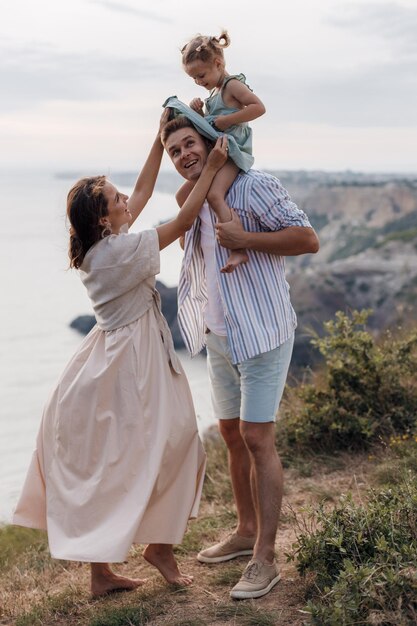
(392, 22)
(120, 7)
(37, 73)
(380, 91)
(380, 95)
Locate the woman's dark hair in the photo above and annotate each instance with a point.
(86, 205)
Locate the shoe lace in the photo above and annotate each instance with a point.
(252, 571)
(230, 540)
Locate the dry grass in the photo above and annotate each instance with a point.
(37, 591)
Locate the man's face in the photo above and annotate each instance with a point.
(188, 152)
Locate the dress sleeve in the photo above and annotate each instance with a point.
(240, 77)
(273, 207)
(137, 253)
(121, 262)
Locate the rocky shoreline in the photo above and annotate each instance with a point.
(367, 227)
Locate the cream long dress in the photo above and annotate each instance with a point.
(118, 457)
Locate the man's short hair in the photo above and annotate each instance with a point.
(176, 124)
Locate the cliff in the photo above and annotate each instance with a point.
(367, 226)
(367, 259)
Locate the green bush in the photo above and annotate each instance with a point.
(363, 560)
(365, 393)
(399, 461)
(369, 595)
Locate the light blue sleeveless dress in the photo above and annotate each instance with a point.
(215, 106)
(240, 135)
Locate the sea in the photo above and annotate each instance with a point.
(40, 298)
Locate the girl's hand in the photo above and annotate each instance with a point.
(221, 122)
(164, 119)
(197, 105)
(218, 155)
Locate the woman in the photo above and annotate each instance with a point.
(118, 456)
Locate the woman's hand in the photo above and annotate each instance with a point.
(218, 155)
(197, 105)
(164, 119)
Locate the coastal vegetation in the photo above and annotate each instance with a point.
(360, 554)
(364, 393)
(347, 543)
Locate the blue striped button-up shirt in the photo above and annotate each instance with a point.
(256, 301)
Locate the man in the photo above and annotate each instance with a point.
(247, 323)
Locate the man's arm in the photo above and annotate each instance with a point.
(290, 241)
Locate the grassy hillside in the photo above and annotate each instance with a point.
(346, 546)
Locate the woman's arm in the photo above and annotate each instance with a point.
(238, 94)
(170, 231)
(146, 180)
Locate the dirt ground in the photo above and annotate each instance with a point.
(207, 601)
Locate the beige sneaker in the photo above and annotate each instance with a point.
(233, 546)
(257, 580)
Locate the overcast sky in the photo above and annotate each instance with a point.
(82, 81)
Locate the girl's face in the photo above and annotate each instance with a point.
(208, 75)
(118, 214)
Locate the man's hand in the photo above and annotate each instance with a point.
(221, 122)
(289, 241)
(197, 105)
(231, 234)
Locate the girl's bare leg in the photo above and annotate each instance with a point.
(104, 581)
(216, 198)
(161, 556)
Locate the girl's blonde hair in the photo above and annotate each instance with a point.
(205, 49)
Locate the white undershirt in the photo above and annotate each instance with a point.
(214, 313)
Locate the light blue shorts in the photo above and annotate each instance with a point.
(252, 389)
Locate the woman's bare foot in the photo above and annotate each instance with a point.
(161, 556)
(104, 581)
(237, 257)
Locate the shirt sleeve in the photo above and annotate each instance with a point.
(273, 207)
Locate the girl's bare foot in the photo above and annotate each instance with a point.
(161, 556)
(236, 258)
(104, 581)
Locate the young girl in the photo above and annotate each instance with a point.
(229, 107)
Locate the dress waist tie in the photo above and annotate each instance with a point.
(166, 334)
